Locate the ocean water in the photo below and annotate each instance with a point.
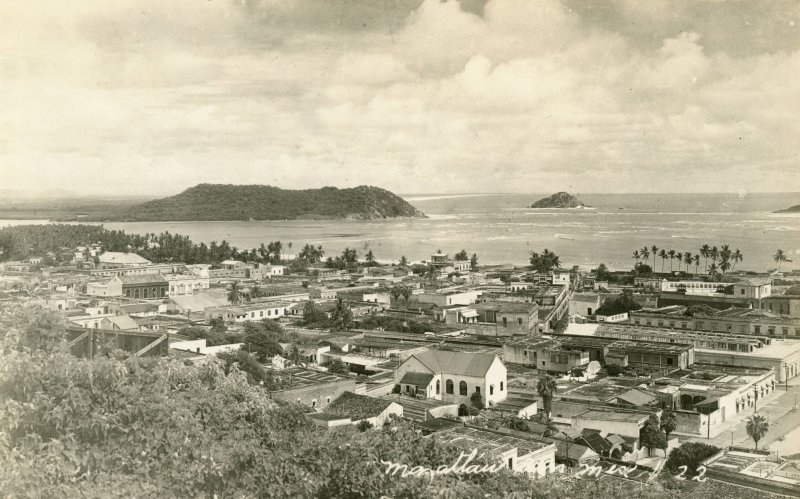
(500, 229)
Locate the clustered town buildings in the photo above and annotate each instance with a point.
(708, 351)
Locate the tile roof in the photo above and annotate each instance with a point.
(463, 363)
(594, 441)
(605, 415)
(636, 397)
(571, 450)
(754, 282)
(143, 279)
(124, 322)
(421, 380)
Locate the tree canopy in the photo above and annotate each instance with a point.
(544, 262)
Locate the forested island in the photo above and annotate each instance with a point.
(791, 209)
(216, 202)
(558, 200)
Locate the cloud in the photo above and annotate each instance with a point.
(426, 96)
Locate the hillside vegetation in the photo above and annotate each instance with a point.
(156, 427)
(214, 202)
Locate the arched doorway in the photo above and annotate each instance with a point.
(463, 410)
(616, 454)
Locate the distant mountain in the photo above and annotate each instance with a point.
(791, 209)
(558, 200)
(216, 202)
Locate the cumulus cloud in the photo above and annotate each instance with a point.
(506, 95)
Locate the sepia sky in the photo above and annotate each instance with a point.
(148, 97)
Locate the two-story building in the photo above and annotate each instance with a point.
(504, 318)
(249, 312)
(449, 297)
(186, 284)
(752, 288)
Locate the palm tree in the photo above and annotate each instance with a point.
(654, 250)
(546, 388)
(725, 252)
(724, 264)
(306, 253)
(663, 255)
(696, 264)
(714, 254)
(296, 356)
(403, 261)
(737, 257)
(705, 251)
(780, 257)
(712, 270)
(342, 316)
(645, 252)
(757, 427)
(687, 259)
(671, 253)
(234, 296)
(370, 257)
(637, 256)
(431, 274)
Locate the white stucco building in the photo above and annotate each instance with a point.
(186, 284)
(453, 377)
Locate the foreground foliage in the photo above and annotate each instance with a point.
(156, 427)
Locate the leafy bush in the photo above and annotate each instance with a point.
(336, 366)
(364, 425)
(261, 338)
(691, 455)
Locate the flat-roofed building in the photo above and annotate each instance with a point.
(153, 268)
(753, 288)
(249, 312)
(504, 318)
(584, 303)
(449, 297)
(694, 287)
(109, 288)
(659, 356)
(544, 354)
(519, 452)
(311, 388)
(700, 339)
(735, 320)
(781, 356)
(186, 284)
